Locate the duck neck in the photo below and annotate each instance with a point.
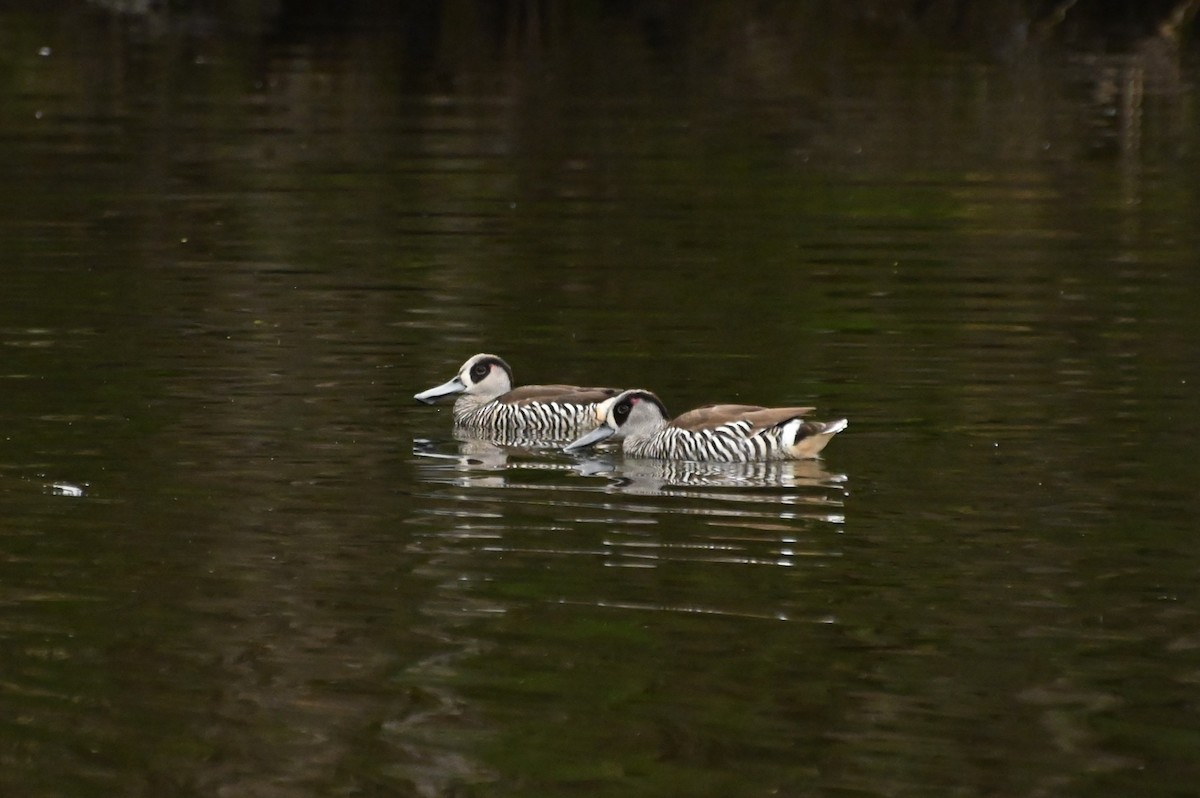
(640, 441)
(466, 404)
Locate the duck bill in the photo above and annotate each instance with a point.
(445, 389)
(593, 437)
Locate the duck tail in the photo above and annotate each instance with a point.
(810, 437)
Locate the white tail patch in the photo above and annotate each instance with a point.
(818, 435)
(834, 427)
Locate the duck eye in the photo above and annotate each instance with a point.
(622, 410)
(480, 370)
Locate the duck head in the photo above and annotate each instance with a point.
(630, 413)
(483, 377)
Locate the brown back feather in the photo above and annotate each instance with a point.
(562, 394)
(760, 418)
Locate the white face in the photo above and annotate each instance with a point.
(633, 413)
(483, 376)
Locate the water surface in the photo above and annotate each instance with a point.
(237, 559)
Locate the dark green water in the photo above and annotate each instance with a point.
(233, 246)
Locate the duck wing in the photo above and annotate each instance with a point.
(760, 418)
(559, 394)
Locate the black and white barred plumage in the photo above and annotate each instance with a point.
(542, 420)
(736, 442)
(717, 433)
(489, 406)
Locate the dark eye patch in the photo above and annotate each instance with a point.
(480, 370)
(622, 409)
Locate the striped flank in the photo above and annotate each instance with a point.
(549, 420)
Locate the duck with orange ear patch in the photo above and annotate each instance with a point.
(715, 433)
(488, 404)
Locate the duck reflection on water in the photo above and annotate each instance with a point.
(788, 485)
(637, 473)
(479, 462)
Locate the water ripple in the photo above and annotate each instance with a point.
(490, 517)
